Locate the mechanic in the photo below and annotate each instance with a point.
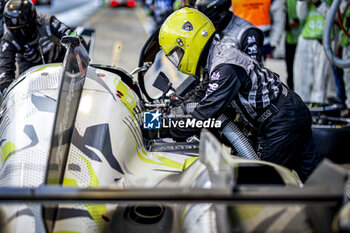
(2, 5)
(31, 39)
(161, 10)
(313, 78)
(231, 29)
(239, 83)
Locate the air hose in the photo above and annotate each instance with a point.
(237, 139)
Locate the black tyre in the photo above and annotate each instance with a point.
(318, 109)
(332, 138)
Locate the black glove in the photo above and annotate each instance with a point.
(31, 54)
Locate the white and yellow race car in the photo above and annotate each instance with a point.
(74, 159)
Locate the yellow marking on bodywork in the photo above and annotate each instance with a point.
(70, 182)
(130, 103)
(93, 178)
(163, 160)
(6, 150)
(245, 212)
(54, 181)
(127, 99)
(50, 65)
(184, 213)
(96, 211)
(189, 161)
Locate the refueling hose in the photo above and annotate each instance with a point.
(327, 34)
(237, 139)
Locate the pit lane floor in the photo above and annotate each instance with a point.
(120, 37)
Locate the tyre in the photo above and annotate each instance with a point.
(318, 109)
(332, 137)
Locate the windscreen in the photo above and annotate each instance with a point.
(162, 64)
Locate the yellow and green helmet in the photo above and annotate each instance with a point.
(183, 36)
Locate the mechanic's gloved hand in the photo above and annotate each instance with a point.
(31, 54)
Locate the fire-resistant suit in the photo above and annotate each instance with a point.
(312, 70)
(239, 33)
(281, 119)
(44, 48)
(242, 35)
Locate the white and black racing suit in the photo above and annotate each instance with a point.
(240, 34)
(280, 117)
(44, 48)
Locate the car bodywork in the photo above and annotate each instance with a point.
(78, 127)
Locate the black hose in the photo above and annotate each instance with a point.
(237, 139)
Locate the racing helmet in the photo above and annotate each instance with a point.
(183, 37)
(20, 17)
(215, 10)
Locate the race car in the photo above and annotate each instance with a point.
(128, 3)
(74, 158)
(41, 2)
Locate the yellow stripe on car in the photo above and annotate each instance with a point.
(6, 150)
(96, 211)
(50, 65)
(164, 161)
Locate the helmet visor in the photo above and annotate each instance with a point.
(176, 55)
(22, 33)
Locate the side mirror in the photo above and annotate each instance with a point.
(70, 41)
(163, 83)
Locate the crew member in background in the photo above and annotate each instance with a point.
(233, 29)
(293, 30)
(239, 83)
(160, 9)
(182, 3)
(313, 76)
(31, 38)
(2, 5)
(267, 15)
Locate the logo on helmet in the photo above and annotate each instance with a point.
(187, 26)
(14, 20)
